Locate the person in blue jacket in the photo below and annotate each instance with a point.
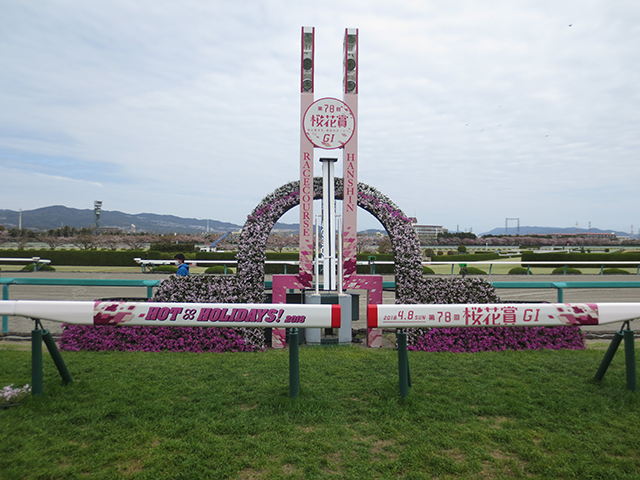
(183, 268)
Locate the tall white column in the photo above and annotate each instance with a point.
(329, 260)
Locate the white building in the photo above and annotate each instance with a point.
(428, 230)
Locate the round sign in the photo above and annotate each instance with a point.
(329, 123)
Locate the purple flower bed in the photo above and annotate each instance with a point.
(100, 338)
(198, 289)
(495, 339)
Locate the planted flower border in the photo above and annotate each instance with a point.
(12, 397)
(247, 285)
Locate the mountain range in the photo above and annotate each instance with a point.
(57, 216)
(47, 218)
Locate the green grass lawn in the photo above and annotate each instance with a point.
(531, 414)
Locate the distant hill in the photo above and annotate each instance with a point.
(56, 216)
(47, 218)
(548, 231)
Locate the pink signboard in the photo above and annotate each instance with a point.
(329, 123)
(499, 315)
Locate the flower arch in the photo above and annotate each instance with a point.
(406, 246)
(247, 286)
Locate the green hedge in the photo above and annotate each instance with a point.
(577, 257)
(90, 258)
(125, 258)
(472, 257)
(216, 255)
(380, 269)
(169, 247)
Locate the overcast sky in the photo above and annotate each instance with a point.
(469, 112)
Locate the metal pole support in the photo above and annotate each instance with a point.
(5, 319)
(403, 363)
(36, 362)
(630, 360)
(611, 351)
(57, 358)
(294, 363)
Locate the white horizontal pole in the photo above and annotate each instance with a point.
(22, 260)
(493, 315)
(212, 262)
(177, 314)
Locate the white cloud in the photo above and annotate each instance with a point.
(468, 114)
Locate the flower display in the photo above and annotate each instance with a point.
(99, 338)
(494, 339)
(12, 396)
(247, 286)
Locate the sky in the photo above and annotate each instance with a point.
(471, 114)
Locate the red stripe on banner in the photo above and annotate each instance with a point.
(336, 316)
(372, 316)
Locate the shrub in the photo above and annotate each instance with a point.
(474, 271)
(32, 268)
(164, 269)
(518, 271)
(462, 249)
(427, 271)
(615, 271)
(217, 270)
(570, 271)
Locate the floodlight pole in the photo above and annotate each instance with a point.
(97, 210)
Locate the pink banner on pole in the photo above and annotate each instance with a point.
(306, 200)
(350, 158)
(307, 87)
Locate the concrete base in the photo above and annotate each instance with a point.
(314, 335)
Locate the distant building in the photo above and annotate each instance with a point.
(428, 230)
